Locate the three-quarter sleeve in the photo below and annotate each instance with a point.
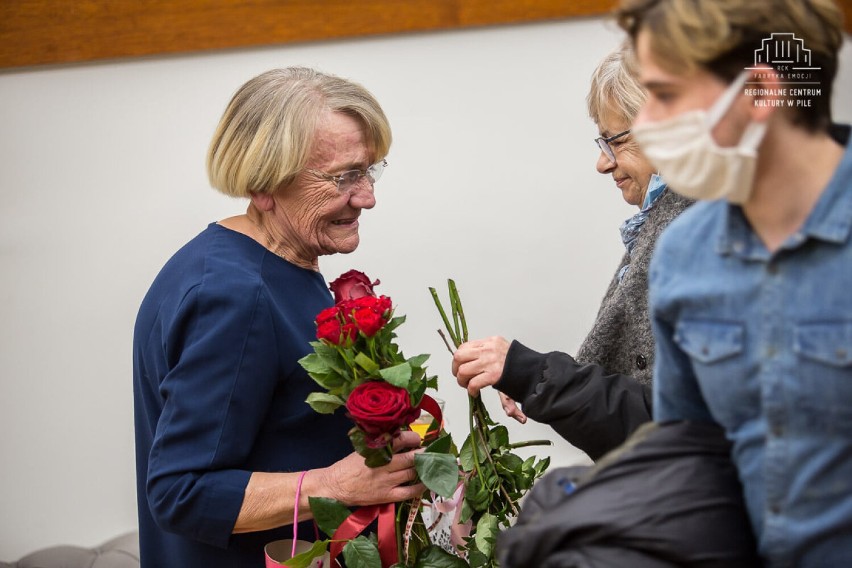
(222, 373)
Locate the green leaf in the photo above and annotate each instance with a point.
(476, 494)
(313, 363)
(486, 533)
(466, 452)
(373, 457)
(443, 445)
(304, 559)
(416, 389)
(466, 512)
(329, 381)
(511, 462)
(398, 375)
(361, 553)
(541, 466)
(438, 472)
(366, 363)
(324, 403)
(331, 356)
(432, 382)
(393, 324)
(498, 437)
(436, 557)
(478, 560)
(377, 458)
(328, 513)
(418, 360)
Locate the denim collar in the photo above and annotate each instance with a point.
(830, 220)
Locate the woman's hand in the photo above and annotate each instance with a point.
(478, 364)
(352, 483)
(511, 409)
(270, 498)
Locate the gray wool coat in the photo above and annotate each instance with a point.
(621, 340)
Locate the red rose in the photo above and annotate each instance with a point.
(369, 313)
(380, 304)
(328, 314)
(380, 408)
(333, 332)
(368, 321)
(383, 305)
(352, 285)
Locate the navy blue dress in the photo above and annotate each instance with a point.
(218, 394)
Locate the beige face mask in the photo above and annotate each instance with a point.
(692, 163)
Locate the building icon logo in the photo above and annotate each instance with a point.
(783, 58)
(784, 49)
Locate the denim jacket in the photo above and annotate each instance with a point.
(761, 343)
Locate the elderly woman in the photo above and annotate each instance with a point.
(598, 398)
(225, 441)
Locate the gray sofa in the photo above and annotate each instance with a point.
(119, 552)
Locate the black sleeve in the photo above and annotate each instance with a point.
(593, 410)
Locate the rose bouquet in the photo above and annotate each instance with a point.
(476, 489)
(495, 478)
(360, 366)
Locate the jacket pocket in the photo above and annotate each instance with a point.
(824, 376)
(717, 351)
(829, 343)
(708, 342)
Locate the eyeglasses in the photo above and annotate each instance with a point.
(603, 144)
(347, 180)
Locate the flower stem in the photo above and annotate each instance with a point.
(444, 316)
(470, 417)
(457, 308)
(529, 443)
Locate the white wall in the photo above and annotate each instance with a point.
(491, 182)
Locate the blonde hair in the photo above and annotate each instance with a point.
(265, 137)
(615, 87)
(721, 36)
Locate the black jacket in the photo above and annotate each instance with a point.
(669, 497)
(592, 409)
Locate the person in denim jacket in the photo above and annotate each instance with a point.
(749, 289)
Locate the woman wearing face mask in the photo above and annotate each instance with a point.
(750, 289)
(600, 397)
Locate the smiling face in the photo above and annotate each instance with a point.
(630, 171)
(311, 217)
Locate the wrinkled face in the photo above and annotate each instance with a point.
(311, 214)
(630, 171)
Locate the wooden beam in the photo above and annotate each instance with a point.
(41, 32)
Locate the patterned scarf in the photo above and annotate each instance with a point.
(631, 227)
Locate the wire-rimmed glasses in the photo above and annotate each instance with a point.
(347, 180)
(603, 144)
